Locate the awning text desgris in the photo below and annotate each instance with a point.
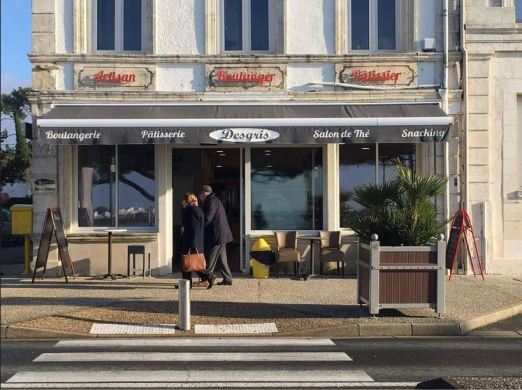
(270, 123)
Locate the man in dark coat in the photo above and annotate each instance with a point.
(217, 235)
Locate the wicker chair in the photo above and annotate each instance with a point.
(331, 251)
(286, 250)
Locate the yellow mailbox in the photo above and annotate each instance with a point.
(22, 219)
(22, 223)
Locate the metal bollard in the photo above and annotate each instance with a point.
(184, 304)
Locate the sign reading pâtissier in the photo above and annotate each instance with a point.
(392, 75)
(245, 78)
(93, 77)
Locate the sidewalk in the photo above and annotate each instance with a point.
(317, 307)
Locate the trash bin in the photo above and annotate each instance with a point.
(262, 258)
(260, 271)
(22, 223)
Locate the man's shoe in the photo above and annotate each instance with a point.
(224, 283)
(202, 283)
(210, 280)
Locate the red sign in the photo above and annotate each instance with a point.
(113, 77)
(260, 79)
(373, 76)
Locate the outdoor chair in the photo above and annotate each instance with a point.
(286, 245)
(331, 251)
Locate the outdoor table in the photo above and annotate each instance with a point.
(312, 240)
(109, 273)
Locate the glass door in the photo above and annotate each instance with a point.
(221, 169)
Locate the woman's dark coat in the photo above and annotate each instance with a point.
(217, 230)
(193, 229)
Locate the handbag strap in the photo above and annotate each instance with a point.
(190, 249)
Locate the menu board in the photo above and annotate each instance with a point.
(53, 224)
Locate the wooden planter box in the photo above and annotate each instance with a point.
(401, 276)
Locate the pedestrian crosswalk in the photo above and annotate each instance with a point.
(170, 363)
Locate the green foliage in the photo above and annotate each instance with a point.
(15, 163)
(400, 212)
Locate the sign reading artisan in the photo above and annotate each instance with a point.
(114, 77)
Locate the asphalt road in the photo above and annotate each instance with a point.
(381, 360)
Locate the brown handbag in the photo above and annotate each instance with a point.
(194, 262)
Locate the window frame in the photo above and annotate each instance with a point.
(373, 25)
(118, 29)
(247, 29)
(137, 229)
(376, 178)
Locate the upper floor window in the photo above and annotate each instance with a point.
(247, 25)
(518, 11)
(374, 25)
(118, 25)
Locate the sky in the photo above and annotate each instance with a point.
(15, 45)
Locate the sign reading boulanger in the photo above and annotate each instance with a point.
(245, 78)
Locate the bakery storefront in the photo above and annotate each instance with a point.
(275, 166)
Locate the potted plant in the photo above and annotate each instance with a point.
(401, 261)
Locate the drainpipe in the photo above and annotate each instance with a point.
(445, 106)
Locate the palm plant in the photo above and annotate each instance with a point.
(401, 212)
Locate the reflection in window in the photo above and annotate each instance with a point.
(96, 190)
(373, 24)
(118, 25)
(97, 186)
(386, 28)
(287, 188)
(246, 25)
(360, 25)
(388, 155)
(518, 11)
(136, 187)
(105, 24)
(357, 167)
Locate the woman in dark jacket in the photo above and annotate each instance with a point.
(193, 231)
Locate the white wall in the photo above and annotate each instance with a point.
(180, 26)
(304, 19)
(64, 26)
(298, 75)
(180, 78)
(429, 22)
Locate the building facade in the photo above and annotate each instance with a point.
(283, 106)
(493, 141)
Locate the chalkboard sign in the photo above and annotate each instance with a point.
(459, 230)
(53, 224)
(454, 239)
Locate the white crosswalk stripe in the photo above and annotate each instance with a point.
(222, 363)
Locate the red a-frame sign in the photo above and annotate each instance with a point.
(459, 229)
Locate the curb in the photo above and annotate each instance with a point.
(467, 326)
(18, 332)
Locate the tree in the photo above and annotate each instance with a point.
(14, 165)
(400, 212)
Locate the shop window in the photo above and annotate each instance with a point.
(361, 164)
(118, 25)
(116, 186)
(287, 188)
(374, 25)
(247, 25)
(518, 11)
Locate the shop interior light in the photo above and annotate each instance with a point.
(365, 148)
(219, 151)
(222, 154)
(219, 166)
